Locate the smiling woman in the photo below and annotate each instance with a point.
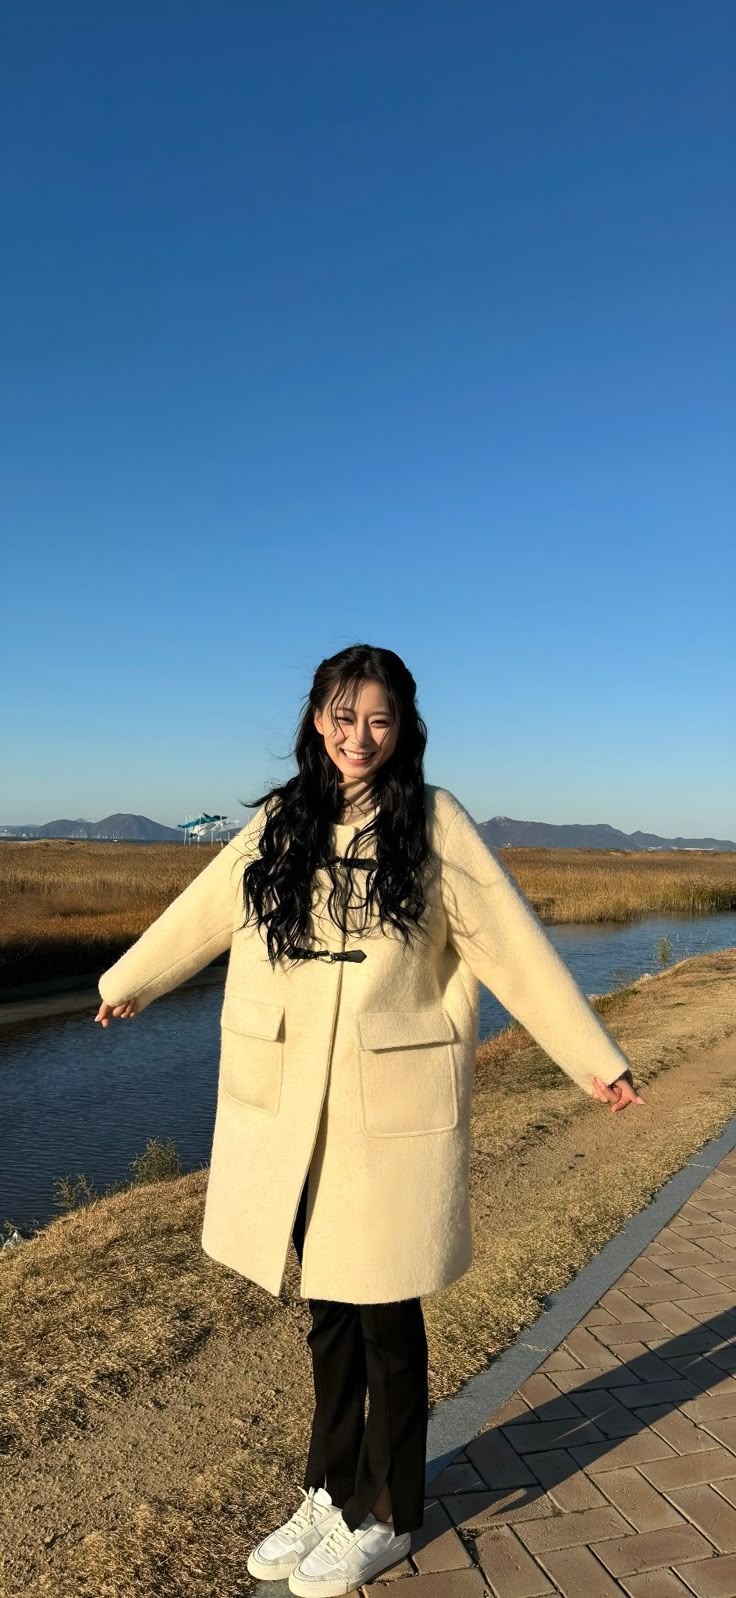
(363, 910)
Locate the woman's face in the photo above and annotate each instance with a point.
(359, 736)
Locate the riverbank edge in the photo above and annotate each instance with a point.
(35, 1006)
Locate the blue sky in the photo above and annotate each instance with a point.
(403, 322)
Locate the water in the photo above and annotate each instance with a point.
(77, 1098)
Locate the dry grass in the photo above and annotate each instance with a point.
(72, 907)
(154, 1406)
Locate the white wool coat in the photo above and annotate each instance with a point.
(358, 1077)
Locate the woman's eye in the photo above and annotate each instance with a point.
(375, 723)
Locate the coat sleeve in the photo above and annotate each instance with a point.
(192, 930)
(500, 937)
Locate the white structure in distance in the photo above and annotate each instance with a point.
(209, 829)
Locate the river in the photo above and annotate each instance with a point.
(77, 1098)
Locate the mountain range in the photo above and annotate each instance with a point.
(500, 832)
(504, 832)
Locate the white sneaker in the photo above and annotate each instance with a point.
(278, 1553)
(344, 1558)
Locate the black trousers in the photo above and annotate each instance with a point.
(380, 1349)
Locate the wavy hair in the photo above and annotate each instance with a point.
(294, 841)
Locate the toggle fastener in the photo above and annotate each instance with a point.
(328, 954)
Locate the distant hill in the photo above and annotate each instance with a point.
(500, 832)
(117, 828)
(504, 832)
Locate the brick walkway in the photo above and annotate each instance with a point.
(613, 1468)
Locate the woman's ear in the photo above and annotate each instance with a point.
(318, 720)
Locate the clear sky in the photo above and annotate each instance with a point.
(410, 322)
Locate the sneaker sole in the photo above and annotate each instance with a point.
(325, 1587)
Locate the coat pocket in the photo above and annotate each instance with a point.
(252, 1052)
(407, 1072)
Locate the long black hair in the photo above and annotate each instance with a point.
(294, 840)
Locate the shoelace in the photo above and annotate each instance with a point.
(338, 1539)
(303, 1516)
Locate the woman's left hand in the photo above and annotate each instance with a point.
(618, 1094)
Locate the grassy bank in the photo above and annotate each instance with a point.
(155, 1407)
(72, 908)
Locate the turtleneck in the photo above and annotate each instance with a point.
(358, 796)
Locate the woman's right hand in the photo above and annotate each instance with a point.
(124, 1011)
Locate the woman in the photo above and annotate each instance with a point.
(362, 910)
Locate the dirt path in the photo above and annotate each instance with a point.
(155, 1407)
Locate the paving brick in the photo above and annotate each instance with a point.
(684, 1254)
(724, 1357)
(709, 1511)
(554, 1434)
(559, 1360)
(567, 1531)
(693, 1277)
(718, 1270)
(676, 1318)
(578, 1574)
(712, 1406)
(699, 1341)
(485, 1509)
(648, 1366)
(436, 1545)
(645, 1550)
(724, 1431)
(597, 1316)
(703, 1230)
(726, 1486)
(597, 1457)
(628, 1352)
(613, 1419)
(508, 1567)
(545, 1400)
(577, 1381)
(459, 1477)
(646, 1293)
(658, 1584)
(588, 1350)
(686, 1469)
(497, 1462)
(515, 1405)
(649, 1272)
(634, 1332)
(697, 1367)
(719, 1249)
(683, 1435)
(638, 1500)
(705, 1309)
(620, 1305)
(441, 1584)
(711, 1578)
(672, 1392)
(566, 1484)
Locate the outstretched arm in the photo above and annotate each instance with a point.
(501, 939)
(192, 930)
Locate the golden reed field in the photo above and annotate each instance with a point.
(70, 908)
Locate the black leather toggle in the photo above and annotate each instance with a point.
(327, 954)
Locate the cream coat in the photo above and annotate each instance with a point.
(360, 1075)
